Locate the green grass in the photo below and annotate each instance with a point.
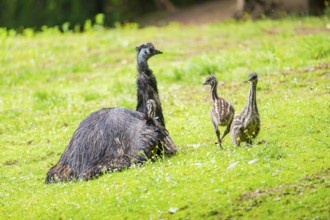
(50, 82)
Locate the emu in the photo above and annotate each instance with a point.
(222, 112)
(109, 139)
(146, 81)
(147, 89)
(246, 125)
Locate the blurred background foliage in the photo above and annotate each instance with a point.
(36, 13)
(73, 14)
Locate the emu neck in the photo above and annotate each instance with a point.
(214, 92)
(143, 65)
(147, 89)
(252, 102)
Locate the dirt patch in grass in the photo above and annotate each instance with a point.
(307, 31)
(320, 66)
(298, 31)
(208, 12)
(251, 199)
(10, 162)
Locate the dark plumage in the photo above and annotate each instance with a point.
(115, 138)
(146, 81)
(147, 90)
(246, 125)
(109, 139)
(222, 112)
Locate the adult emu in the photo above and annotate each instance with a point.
(147, 89)
(146, 81)
(109, 139)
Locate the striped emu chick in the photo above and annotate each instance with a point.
(246, 125)
(151, 116)
(147, 90)
(222, 112)
(152, 120)
(109, 139)
(151, 112)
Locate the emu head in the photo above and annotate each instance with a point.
(211, 80)
(145, 51)
(253, 77)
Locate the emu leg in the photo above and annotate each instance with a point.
(226, 131)
(235, 136)
(237, 132)
(217, 132)
(236, 140)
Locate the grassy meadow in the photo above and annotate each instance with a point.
(50, 81)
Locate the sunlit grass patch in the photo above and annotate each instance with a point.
(51, 81)
(48, 100)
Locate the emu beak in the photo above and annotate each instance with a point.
(205, 83)
(155, 52)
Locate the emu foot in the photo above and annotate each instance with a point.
(220, 145)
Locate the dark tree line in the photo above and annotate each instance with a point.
(258, 8)
(36, 13)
